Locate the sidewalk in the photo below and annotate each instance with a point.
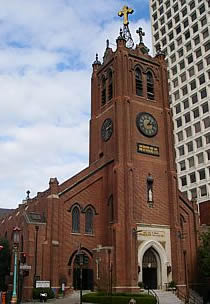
(73, 298)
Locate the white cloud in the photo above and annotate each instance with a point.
(46, 52)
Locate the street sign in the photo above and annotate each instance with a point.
(43, 284)
(25, 267)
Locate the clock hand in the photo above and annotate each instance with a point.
(149, 125)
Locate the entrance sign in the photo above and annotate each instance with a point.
(152, 233)
(148, 149)
(25, 267)
(42, 284)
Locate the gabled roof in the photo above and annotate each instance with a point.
(3, 212)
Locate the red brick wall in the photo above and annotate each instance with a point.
(205, 212)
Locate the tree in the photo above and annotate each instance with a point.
(204, 254)
(4, 262)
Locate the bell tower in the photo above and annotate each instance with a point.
(131, 125)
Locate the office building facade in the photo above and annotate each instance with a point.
(181, 29)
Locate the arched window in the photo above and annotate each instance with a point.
(76, 220)
(150, 86)
(110, 86)
(89, 221)
(103, 91)
(149, 259)
(139, 87)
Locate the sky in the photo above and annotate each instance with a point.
(46, 53)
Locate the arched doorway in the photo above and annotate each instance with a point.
(162, 261)
(87, 273)
(150, 267)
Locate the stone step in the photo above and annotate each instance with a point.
(167, 297)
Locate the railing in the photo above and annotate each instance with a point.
(190, 299)
(153, 293)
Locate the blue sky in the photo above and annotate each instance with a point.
(46, 53)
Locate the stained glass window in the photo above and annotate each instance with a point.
(89, 221)
(76, 220)
(103, 92)
(150, 86)
(139, 87)
(110, 86)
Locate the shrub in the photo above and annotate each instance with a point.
(37, 291)
(121, 298)
(171, 284)
(141, 284)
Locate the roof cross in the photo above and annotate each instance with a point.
(141, 34)
(125, 12)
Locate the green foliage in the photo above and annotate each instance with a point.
(141, 284)
(4, 263)
(172, 284)
(118, 298)
(37, 291)
(204, 254)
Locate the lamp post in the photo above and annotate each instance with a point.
(16, 240)
(80, 255)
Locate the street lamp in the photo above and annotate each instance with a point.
(80, 256)
(16, 240)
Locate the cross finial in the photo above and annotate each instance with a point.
(28, 193)
(141, 34)
(107, 43)
(96, 61)
(125, 12)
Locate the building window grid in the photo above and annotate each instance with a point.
(189, 48)
(203, 99)
(203, 21)
(192, 4)
(199, 142)
(207, 138)
(205, 33)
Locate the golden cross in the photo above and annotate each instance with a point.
(125, 12)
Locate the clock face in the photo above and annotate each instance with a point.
(146, 124)
(107, 129)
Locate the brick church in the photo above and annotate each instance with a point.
(124, 211)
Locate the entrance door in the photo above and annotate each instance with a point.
(149, 265)
(150, 278)
(87, 274)
(87, 279)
